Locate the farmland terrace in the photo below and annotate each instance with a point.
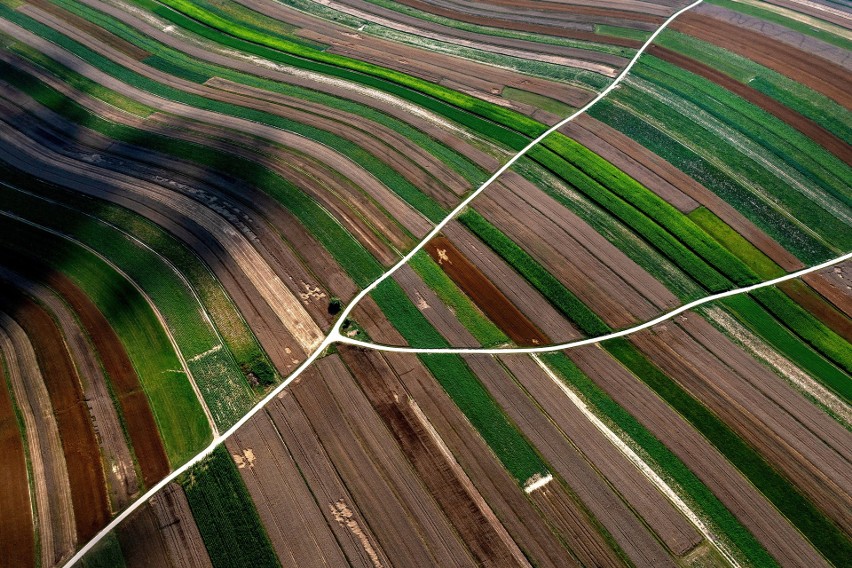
(425, 283)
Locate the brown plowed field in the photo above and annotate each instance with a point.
(484, 293)
(177, 525)
(353, 533)
(835, 284)
(120, 471)
(302, 536)
(512, 285)
(17, 545)
(808, 299)
(798, 439)
(51, 495)
(138, 418)
(804, 125)
(678, 534)
(82, 455)
(375, 469)
(816, 73)
(544, 29)
(752, 509)
(142, 543)
(529, 528)
(473, 519)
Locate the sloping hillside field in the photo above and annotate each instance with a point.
(425, 283)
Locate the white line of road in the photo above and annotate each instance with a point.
(335, 335)
(600, 338)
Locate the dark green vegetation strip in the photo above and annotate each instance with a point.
(451, 371)
(105, 554)
(180, 418)
(805, 247)
(226, 516)
(827, 537)
(823, 533)
(709, 505)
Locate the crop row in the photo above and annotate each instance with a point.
(226, 516)
(813, 523)
(179, 416)
(454, 375)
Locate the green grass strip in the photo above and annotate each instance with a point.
(762, 265)
(226, 516)
(180, 418)
(756, 318)
(466, 390)
(804, 246)
(229, 33)
(464, 309)
(708, 505)
(551, 288)
(827, 537)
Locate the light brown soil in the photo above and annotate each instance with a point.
(302, 536)
(465, 507)
(484, 293)
(752, 509)
(532, 530)
(806, 126)
(17, 547)
(835, 284)
(818, 74)
(51, 492)
(79, 446)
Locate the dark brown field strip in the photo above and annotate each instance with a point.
(177, 525)
(484, 293)
(804, 125)
(814, 72)
(138, 418)
(82, 454)
(17, 539)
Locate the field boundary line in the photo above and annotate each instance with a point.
(334, 334)
(144, 295)
(600, 338)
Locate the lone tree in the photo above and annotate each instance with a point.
(334, 306)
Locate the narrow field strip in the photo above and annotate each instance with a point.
(335, 336)
(592, 340)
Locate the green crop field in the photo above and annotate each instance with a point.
(225, 514)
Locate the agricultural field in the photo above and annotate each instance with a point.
(425, 283)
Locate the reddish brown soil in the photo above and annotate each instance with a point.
(138, 418)
(815, 72)
(82, 455)
(484, 293)
(810, 300)
(835, 285)
(17, 545)
(808, 127)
